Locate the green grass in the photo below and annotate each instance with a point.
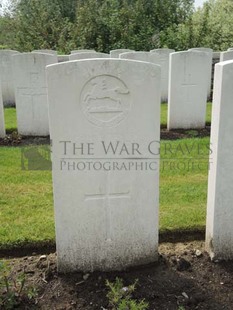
(10, 119)
(11, 122)
(164, 114)
(26, 211)
(26, 200)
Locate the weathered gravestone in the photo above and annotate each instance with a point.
(2, 122)
(226, 55)
(189, 77)
(31, 92)
(105, 162)
(45, 51)
(88, 55)
(82, 51)
(219, 229)
(209, 51)
(116, 53)
(6, 76)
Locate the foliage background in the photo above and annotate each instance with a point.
(103, 25)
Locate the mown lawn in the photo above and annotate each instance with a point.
(26, 200)
(164, 114)
(11, 123)
(10, 119)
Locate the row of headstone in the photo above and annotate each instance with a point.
(159, 57)
(189, 74)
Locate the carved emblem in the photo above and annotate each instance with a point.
(105, 100)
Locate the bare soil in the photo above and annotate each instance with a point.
(183, 278)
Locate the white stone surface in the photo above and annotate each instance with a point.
(216, 55)
(188, 80)
(2, 122)
(45, 51)
(31, 92)
(82, 51)
(62, 58)
(163, 61)
(88, 55)
(159, 57)
(116, 53)
(224, 56)
(219, 229)
(106, 219)
(163, 50)
(210, 61)
(6, 76)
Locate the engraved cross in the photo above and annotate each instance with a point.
(107, 197)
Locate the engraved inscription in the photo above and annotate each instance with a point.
(106, 197)
(105, 100)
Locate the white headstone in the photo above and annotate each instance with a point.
(188, 80)
(219, 228)
(163, 61)
(31, 92)
(210, 60)
(104, 218)
(163, 50)
(62, 58)
(45, 51)
(216, 55)
(116, 53)
(224, 56)
(230, 49)
(157, 59)
(88, 55)
(6, 76)
(81, 51)
(2, 122)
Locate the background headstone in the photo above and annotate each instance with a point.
(226, 56)
(6, 76)
(45, 51)
(116, 53)
(188, 80)
(81, 51)
(104, 218)
(210, 60)
(230, 49)
(31, 92)
(88, 55)
(2, 122)
(219, 228)
(163, 61)
(62, 58)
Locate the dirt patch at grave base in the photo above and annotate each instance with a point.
(184, 278)
(13, 139)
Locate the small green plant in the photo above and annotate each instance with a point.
(12, 288)
(120, 297)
